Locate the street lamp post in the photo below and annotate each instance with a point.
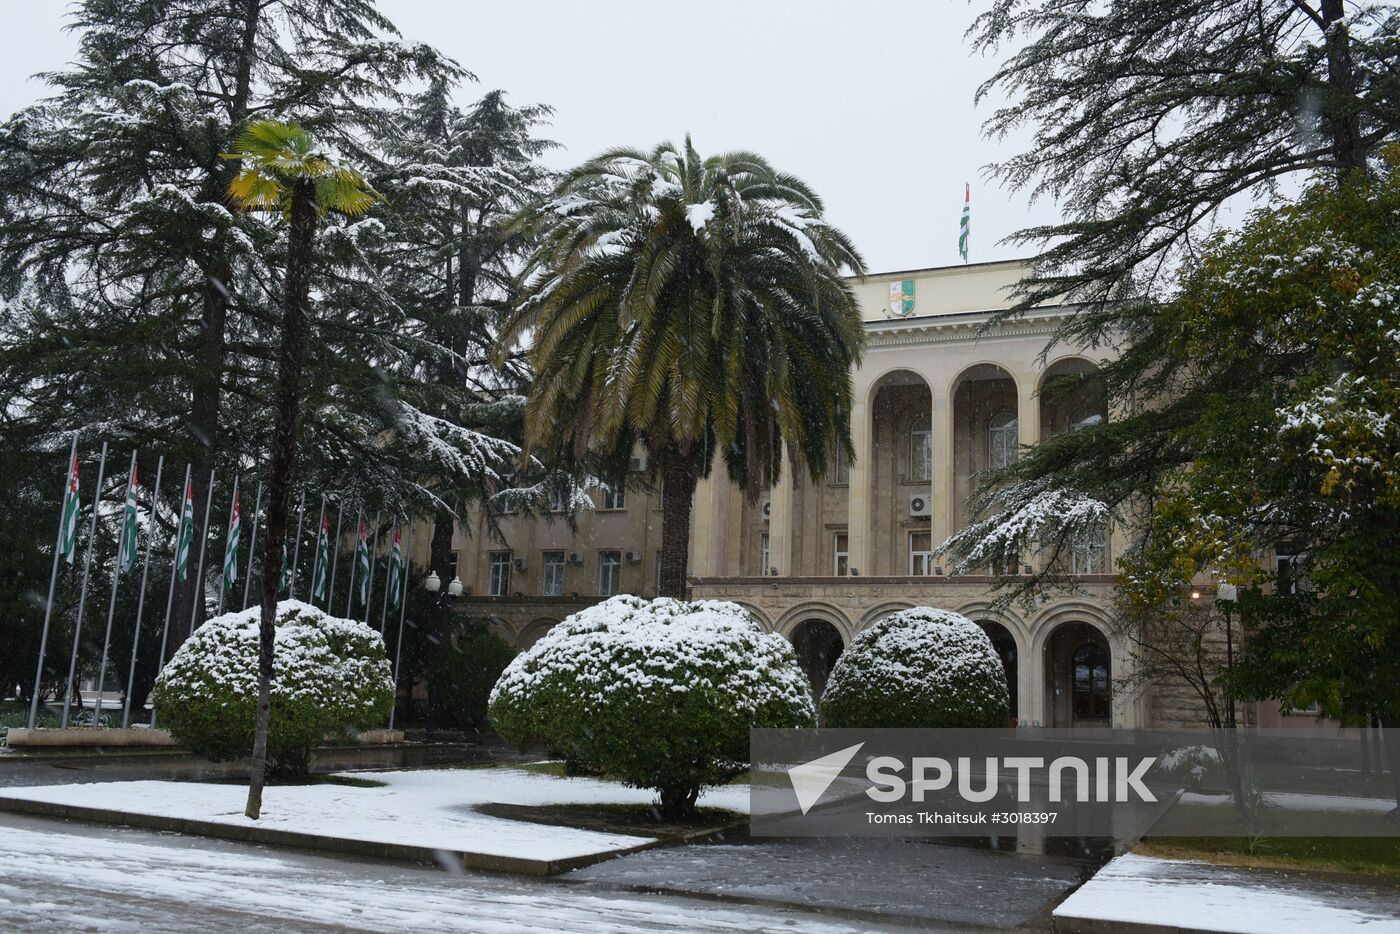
(1226, 595)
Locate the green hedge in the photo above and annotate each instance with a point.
(658, 693)
(329, 675)
(918, 668)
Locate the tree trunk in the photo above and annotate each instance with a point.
(206, 391)
(1342, 111)
(677, 494)
(439, 616)
(290, 359)
(678, 803)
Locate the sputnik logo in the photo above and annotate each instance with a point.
(810, 780)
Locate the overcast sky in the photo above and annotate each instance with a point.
(870, 102)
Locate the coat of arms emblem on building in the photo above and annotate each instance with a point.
(902, 298)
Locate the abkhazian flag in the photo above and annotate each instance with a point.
(186, 537)
(362, 567)
(235, 529)
(965, 225)
(126, 551)
(395, 569)
(323, 560)
(68, 538)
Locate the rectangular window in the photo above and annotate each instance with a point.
(840, 467)
(921, 450)
(1087, 551)
(500, 573)
(609, 572)
(553, 585)
(614, 497)
(557, 500)
(841, 555)
(920, 554)
(764, 561)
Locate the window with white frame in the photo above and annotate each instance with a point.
(763, 556)
(614, 496)
(1087, 550)
(840, 554)
(920, 553)
(840, 467)
(500, 573)
(558, 500)
(553, 581)
(1002, 440)
(609, 572)
(920, 449)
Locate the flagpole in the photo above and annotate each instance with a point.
(252, 546)
(359, 526)
(141, 601)
(82, 594)
(335, 556)
(296, 549)
(228, 542)
(373, 560)
(112, 600)
(53, 579)
(170, 592)
(403, 605)
(198, 600)
(316, 557)
(384, 612)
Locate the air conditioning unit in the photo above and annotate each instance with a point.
(521, 564)
(634, 557)
(576, 557)
(637, 464)
(766, 506)
(919, 505)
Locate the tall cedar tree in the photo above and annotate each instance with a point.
(139, 308)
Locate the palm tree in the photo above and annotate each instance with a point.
(282, 171)
(693, 306)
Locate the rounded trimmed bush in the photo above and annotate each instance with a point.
(329, 675)
(918, 668)
(657, 693)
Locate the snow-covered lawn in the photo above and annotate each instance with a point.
(428, 808)
(1200, 896)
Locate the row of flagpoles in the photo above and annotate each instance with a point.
(322, 584)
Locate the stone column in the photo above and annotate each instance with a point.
(705, 531)
(780, 521)
(944, 507)
(861, 475)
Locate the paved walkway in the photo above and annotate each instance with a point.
(1154, 896)
(57, 877)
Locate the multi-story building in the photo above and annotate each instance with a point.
(939, 399)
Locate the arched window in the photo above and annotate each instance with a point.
(921, 449)
(1090, 697)
(1002, 440)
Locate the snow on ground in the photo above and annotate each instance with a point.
(58, 877)
(426, 807)
(1201, 896)
(1289, 801)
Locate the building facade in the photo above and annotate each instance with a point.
(939, 398)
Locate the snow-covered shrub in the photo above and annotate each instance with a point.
(658, 693)
(329, 674)
(1195, 766)
(918, 668)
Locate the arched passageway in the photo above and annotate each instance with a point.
(1005, 645)
(818, 645)
(1080, 682)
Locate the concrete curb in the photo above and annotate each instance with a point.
(1073, 925)
(87, 737)
(319, 842)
